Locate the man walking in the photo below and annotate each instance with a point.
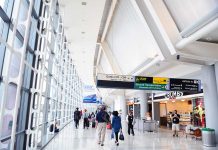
(85, 119)
(175, 123)
(77, 117)
(131, 121)
(102, 119)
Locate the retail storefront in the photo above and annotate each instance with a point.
(190, 107)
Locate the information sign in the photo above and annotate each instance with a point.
(148, 83)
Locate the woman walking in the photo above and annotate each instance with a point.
(116, 125)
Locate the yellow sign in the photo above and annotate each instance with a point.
(158, 80)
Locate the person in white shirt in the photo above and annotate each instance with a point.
(148, 116)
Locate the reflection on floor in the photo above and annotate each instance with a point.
(86, 139)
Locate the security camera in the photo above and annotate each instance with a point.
(177, 57)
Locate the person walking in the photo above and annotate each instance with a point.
(102, 119)
(85, 119)
(175, 123)
(93, 119)
(116, 126)
(131, 121)
(77, 117)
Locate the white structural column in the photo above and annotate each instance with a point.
(123, 106)
(210, 97)
(216, 74)
(143, 97)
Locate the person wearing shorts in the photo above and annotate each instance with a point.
(175, 123)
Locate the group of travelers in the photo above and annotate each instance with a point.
(101, 119)
(87, 118)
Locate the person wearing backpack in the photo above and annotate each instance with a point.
(175, 123)
(77, 117)
(102, 119)
(116, 126)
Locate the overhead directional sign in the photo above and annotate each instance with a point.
(151, 83)
(115, 81)
(148, 83)
(184, 85)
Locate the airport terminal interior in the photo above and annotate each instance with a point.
(108, 74)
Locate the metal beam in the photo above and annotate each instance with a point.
(198, 34)
(148, 16)
(108, 53)
(109, 18)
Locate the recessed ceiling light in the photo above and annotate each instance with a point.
(84, 3)
(208, 38)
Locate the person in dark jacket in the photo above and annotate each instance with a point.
(175, 123)
(77, 117)
(102, 119)
(131, 121)
(116, 125)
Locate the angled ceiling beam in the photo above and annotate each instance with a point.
(108, 53)
(198, 34)
(148, 15)
(109, 18)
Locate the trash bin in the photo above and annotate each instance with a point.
(208, 137)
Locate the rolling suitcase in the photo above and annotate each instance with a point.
(93, 124)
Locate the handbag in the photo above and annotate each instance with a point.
(108, 126)
(112, 134)
(121, 137)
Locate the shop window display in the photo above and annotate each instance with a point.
(199, 112)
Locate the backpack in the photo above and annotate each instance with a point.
(51, 128)
(106, 117)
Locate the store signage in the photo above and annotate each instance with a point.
(174, 94)
(148, 83)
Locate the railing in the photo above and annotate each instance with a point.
(146, 125)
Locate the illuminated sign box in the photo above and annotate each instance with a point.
(148, 83)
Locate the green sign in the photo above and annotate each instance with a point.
(151, 83)
(148, 86)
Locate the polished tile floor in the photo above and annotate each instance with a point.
(79, 139)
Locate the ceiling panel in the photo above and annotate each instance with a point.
(82, 23)
(187, 12)
(178, 70)
(105, 65)
(130, 40)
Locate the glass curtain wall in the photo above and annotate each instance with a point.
(39, 85)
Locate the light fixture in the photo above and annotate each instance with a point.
(84, 3)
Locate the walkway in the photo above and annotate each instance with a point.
(78, 139)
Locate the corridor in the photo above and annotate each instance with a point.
(79, 139)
